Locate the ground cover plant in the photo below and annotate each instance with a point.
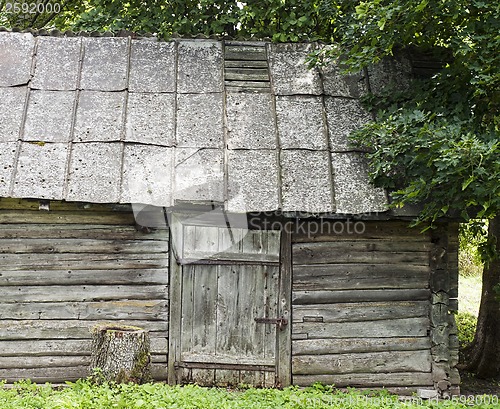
(87, 395)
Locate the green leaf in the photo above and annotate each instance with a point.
(468, 182)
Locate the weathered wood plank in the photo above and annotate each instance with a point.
(367, 311)
(79, 231)
(70, 329)
(255, 53)
(361, 246)
(80, 277)
(225, 359)
(302, 272)
(352, 345)
(358, 277)
(175, 308)
(246, 74)
(336, 230)
(257, 378)
(84, 245)
(285, 308)
(69, 217)
(372, 362)
(367, 379)
(245, 88)
(264, 85)
(62, 374)
(227, 242)
(42, 375)
(333, 296)
(150, 310)
(74, 261)
(227, 377)
(199, 257)
(42, 361)
(204, 326)
(34, 348)
(404, 327)
(245, 64)
(66, 347)
(202, 377)
(309, 254)
(82, 293)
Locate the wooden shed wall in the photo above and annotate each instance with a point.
(64, 271)
(361, 305)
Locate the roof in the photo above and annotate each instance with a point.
(122, 120)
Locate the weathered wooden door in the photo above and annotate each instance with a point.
(229, 307)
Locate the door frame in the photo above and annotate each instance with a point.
(283, 348)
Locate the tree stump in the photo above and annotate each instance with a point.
(121, 353)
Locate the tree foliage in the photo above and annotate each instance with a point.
(280, 20)
(438, 141)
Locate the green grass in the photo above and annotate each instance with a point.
(469, 293)
(85, 395)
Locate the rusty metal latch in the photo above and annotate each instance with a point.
(280, 322)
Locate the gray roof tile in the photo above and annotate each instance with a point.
(250, 120)
(147, 174)
(199, 175)
(150, 118)
(57, 63)
(306, 181)
(199, 121)
(353, 192)
(49, 116)
(390, 71)
(152, 66)
(95, 172)
(301, 122)
(12, 102)
(343, 85)
(252, 180)
(16, 53)
(99, 116)
(41, 170)
(206, 74)
(7, 160)
(289, 72)
(105, 64)
(343, 116)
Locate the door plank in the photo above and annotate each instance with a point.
(204, 310)
(174, 329)
(284, 336)
(187, 308)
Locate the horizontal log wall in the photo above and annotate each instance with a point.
(361, 308)
(65, 270)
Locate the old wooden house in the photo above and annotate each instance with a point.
(206, 191)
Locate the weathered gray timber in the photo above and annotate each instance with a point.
(65, 271)
(361, 306)
(221, 328)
